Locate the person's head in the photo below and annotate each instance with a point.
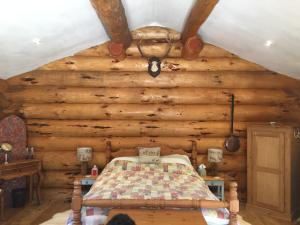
(121, 219)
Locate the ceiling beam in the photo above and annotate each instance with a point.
(191, 41)
(112, 15)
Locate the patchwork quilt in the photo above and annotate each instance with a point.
(131, 180)
(127, 179)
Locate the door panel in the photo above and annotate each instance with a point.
(268, 169)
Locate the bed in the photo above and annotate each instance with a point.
(124, 183)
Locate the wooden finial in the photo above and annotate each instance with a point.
(76, 203)
(108, 151)
(233, 204)
(194, 154)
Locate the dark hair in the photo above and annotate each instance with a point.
(121, 219)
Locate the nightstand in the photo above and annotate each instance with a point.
(86, 182)
(216, 185)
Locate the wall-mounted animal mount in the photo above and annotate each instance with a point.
(154, 62)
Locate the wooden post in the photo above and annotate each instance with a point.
(39, 183)
(233, 204)
(108, 151)
(76, 203)
(194, 154)
(112, 15)
(84, 168)
(192, 43)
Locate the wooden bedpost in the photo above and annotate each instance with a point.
(108, 151)
(194, 154)
(233, 204)
(76, 203)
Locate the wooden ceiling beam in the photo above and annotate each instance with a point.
(112, 15)
(191, 41)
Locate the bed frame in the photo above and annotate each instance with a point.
(78, 202)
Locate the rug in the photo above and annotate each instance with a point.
(61, 218)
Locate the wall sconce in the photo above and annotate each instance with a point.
(84, 154)
(214, 156)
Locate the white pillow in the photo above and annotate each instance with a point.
(149, 155)
(176, 158)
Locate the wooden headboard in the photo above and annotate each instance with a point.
(165, 150)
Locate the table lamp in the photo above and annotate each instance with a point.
(84, 154)
(214, 156)
(6, 147)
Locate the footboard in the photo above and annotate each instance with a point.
(78, 202)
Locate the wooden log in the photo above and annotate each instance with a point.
(79, 63)
(193, 44)
(52, 143)
(155, 32)
(197, 16)
(3, 85)
(56, 160)
(126, 128)
(117, 29)
(52, 94)
(59, 178)
(157, 49)
(192, 47)
(4, 102)
(157, 112)
(217, 79)
(229, 163)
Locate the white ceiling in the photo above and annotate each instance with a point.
(35, 32)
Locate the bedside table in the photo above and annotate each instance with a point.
(216, 185)
(86, 182)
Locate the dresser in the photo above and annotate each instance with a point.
(273, 170)
(23, 168)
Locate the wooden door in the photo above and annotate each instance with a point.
(268, 169)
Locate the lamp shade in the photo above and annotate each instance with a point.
(6, 147)
(84, 154)
(215, 155)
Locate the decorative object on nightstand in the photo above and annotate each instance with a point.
(214, 156)
(202, 170)
(94, 171)
(216, 185)
(6, 148)
(84, 154)
(273, 160)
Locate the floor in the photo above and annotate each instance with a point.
(55, 201)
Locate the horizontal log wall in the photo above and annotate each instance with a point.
(88, 99)
(4, 102)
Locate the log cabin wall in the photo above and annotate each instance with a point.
(90, 98)
(4, 102)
